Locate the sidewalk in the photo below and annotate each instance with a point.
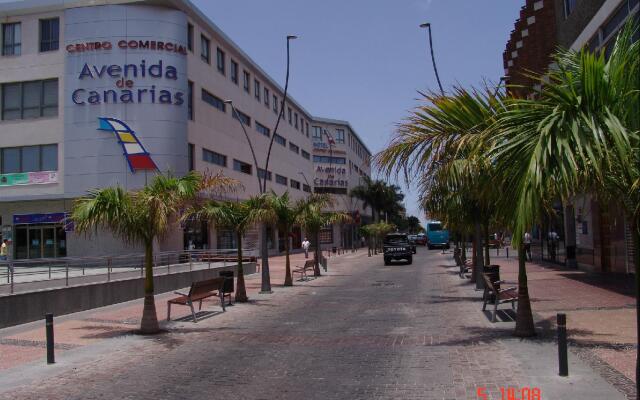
(601, 315)
(26, 343)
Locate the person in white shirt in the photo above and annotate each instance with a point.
(305, 247)
(527, 246)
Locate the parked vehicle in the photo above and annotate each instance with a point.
(437, 236)
(396, 247)
(495, 242)
(421, 239)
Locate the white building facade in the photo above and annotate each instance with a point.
(96, 94)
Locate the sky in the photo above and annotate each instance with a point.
(364, 60)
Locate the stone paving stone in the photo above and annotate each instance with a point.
(364, 331)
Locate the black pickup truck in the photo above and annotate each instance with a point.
(397, 247)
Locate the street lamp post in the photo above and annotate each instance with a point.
(427, 25)
(262, 186)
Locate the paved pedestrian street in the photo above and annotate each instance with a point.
(361, 331)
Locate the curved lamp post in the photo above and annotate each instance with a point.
(427, 25)
(262, 185)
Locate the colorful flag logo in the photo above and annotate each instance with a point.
(137, 157)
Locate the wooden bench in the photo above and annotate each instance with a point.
(198, 292)
(500, 296)
(464, 265)
(309, 265)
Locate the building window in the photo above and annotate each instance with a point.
(190, 37)
(213, 101)
(307, 128)
(301, 124)
(205, 49)
(331, 190)
(29, 159)
(306, 188)
(220, 61)
(279, 139)
(295, 184)
(294, 148)
(242, 167)
(326, 235)
(275, 104)
(262, 174)
(266, 97)
(339, 136)
(246, 78)
(234, 72)
(317, 132)
(329, 160)
(305, 154)
(11, 42)
(295, 119)
(569, 6)
(191, 152)
(256, 89)
(33, 99)
(290, 115)
(190, 101)
(49, 34)
(215, 158)
(263, 129)
(242, 117)
(281, 180)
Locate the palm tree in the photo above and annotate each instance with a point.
(312, 219)
(285, 213)
(237, 216)
(579, 133)
(142, 217)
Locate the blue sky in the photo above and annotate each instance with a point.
(363, 60)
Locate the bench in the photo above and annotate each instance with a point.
(500, 296)
(309, 265)
(464, 265)
(198, 292)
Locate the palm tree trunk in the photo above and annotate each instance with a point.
(474, 259)
(316, 264)
(149, 322)
(524, 316)
(479, 258)
(265, 286)
(487, 258)
(241, 290)
(636, 261)
(288, 281)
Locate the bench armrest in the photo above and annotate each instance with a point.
(181, 294)
(499, 282)
(508, 289)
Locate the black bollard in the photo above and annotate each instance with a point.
(51, 359)
(562, 345)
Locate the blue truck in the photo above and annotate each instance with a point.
(437, 236)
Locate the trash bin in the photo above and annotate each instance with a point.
(227, 286)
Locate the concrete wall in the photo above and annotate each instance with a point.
(26, 307)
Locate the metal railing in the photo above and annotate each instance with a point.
(59, 272)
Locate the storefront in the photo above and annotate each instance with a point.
(40, 235)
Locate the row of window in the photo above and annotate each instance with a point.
(329, 160)
(213, 157)
(606, 33)
(29, 159)
(49, 36)
(260, 92)
(220, 105)
(31, 99)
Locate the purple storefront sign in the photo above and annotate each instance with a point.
(52, 218)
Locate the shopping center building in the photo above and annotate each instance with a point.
(96, 94)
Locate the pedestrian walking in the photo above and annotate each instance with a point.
(305, 247)
(527, 246)
(363, 241)
(4, 249)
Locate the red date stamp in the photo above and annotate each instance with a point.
(512, 393)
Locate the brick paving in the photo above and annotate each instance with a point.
(363, 331)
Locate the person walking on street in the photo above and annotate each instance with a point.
(527, 246)
(4, 250)
(305, 247)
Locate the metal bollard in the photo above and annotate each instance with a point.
(12, 277)
(562, 345)
(51, 359)
(507, 249)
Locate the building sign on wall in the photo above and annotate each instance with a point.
(29, 178)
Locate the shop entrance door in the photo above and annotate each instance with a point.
(40, 241)
(35, 243)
